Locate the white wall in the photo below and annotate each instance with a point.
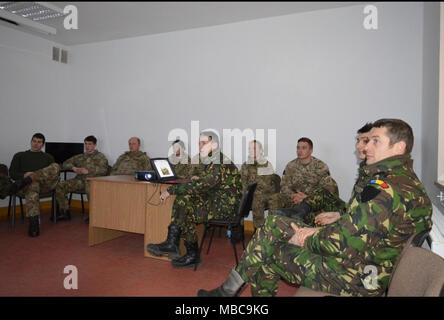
(34, 93)
(318, 74)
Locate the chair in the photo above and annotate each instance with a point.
(415, 240)
(233, 225)
(13, 200)
(420, 272)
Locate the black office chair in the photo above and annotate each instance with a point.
(235, 226)
(13, 200)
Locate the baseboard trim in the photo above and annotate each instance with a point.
(44, 205)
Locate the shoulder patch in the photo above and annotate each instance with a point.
(379, 182)
(369, 193)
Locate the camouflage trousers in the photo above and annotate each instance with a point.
(68, 186)
(43, 181)
(269, 258)
(320, 200)
(5, 186)
(191, 210)
(261, 202)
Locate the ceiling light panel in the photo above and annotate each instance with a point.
(35, 11)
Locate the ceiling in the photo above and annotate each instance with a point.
(102, 21)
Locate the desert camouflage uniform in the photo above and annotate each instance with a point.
(43, 181)
(5, 182)
(129, 162)
(181, 165)
(216, 194)
(262, 172)
(304, 178)
(96, 164)
(392, 206)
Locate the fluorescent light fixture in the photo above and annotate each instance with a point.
(28, 13)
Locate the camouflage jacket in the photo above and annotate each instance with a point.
(96, 164)
(218, 180)
(181, 165)
(392, 206)
(252, 171)
(129, 162)
(306, 177)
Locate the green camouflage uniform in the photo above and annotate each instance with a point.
(304, 178)
(96, 164)
(46, 174)
(181, 165)
(253, 171)
(392, 206)
(129, 162)
(216, 194)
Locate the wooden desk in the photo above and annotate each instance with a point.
(121, 204)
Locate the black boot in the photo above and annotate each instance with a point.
(20, 184)
(34, 228)
(190, 259)
(170, 246)
(229, 288)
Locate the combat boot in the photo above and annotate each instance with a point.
(190, 259)
(170, 246)
(229, 288)
(34, 228)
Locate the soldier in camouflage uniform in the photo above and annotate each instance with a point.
(260, 170)
(215, 192)
(5, 182)
(180, 160)
(323, 200)
(34, 172)
(301, 176)
(334, 259)
(132, 160)
(91, 163)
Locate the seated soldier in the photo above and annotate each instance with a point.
(323, 200)
(132, 160)
(34, 172)
(392, 206)
(5, 182)
(180, 160)
(214, 191)
(91, 163)
(260, 170)
(303, 177)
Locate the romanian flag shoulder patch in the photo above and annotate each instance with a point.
(379, 182)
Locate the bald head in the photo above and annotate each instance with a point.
(134, 144)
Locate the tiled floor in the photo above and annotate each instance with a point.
(35, 266)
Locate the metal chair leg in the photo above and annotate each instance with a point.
(83, 205)
(13, 211)
(211, 239)
(22, 212)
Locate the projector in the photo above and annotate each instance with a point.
(145, 175)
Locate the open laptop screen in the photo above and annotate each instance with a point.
(163, 168)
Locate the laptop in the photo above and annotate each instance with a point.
(164, 171)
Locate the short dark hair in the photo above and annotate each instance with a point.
(39, 136)
(180, 142)
(397, 130)
(366, 128)
(210, 134)
(91, 139)
(305, 139)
